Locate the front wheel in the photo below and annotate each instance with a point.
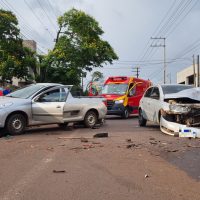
(16, 124)
(142, 121)
(90, 119)
(125, 114)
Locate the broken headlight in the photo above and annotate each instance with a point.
(179, 108)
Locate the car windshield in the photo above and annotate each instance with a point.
(168, 89)
(115, 88)
(25, 92)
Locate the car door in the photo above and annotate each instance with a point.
(48, 106)
(74, 109)
(154, 104)
(145, 104)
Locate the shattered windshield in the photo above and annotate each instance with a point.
(115, 88)
(168, 89)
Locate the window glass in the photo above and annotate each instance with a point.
(148, 92)
(155, 93)
(56, 95)
(168, 89)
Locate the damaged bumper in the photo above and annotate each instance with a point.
(180, 130)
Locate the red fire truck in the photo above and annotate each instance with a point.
(123, 94)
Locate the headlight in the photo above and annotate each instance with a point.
(5, 105)
(119, 101)
(179, 108)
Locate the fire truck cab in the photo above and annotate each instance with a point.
(123, 94)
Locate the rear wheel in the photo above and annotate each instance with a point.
(142, 121)
(16, 124)
(90, 119)
(125, 114)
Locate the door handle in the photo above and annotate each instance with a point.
(58, 106)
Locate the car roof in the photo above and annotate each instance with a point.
(47, 84)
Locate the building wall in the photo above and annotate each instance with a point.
(186, 76)
(31, 44)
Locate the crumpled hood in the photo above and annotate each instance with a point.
(192, 93)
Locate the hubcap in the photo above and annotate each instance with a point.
(91, 119)
(17, 124)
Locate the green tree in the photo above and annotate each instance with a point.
(15, 59)
(78, 47)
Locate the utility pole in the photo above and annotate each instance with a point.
(198, 84)
(137, 71)
(194, 71)
(164, 46)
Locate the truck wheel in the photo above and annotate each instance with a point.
(90, 119)
(125, 114)
(16, 124)
(142, 121)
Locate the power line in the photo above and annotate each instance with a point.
(39, 3)
(38, 19)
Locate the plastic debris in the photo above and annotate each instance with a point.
(59, 171)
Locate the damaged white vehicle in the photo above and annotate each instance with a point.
(175, 107)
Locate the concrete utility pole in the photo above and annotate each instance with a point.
(194, 71)
(198, 83)
(137, 71)
(164, 46)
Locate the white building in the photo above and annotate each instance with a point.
(186, 76)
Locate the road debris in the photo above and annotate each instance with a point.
(136, 146)
(73, 138)
(189, 145)
(146, 176)
(84, 140)
(50, 148)
(88, 146)
(100, 135)
(172, 150)
(59, 171)
(128, 140)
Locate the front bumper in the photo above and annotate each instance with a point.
(3, 116)
(116, 109)
(180, 130)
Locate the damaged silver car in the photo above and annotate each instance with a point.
(175, 107)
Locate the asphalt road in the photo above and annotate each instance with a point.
(132, 163)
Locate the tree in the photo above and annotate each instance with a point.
(78, 47)
(15, 59)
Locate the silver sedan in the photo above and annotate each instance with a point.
(46, 103)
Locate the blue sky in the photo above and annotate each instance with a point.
(128, 26)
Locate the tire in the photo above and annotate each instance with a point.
(90, 119)
(142, 121)
(125, 114)
(16, 124)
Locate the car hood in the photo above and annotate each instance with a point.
(193, 94)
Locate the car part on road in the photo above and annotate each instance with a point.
(100, 135)
(59, 171)
(16, 124)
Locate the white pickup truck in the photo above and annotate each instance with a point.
(47, 103)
